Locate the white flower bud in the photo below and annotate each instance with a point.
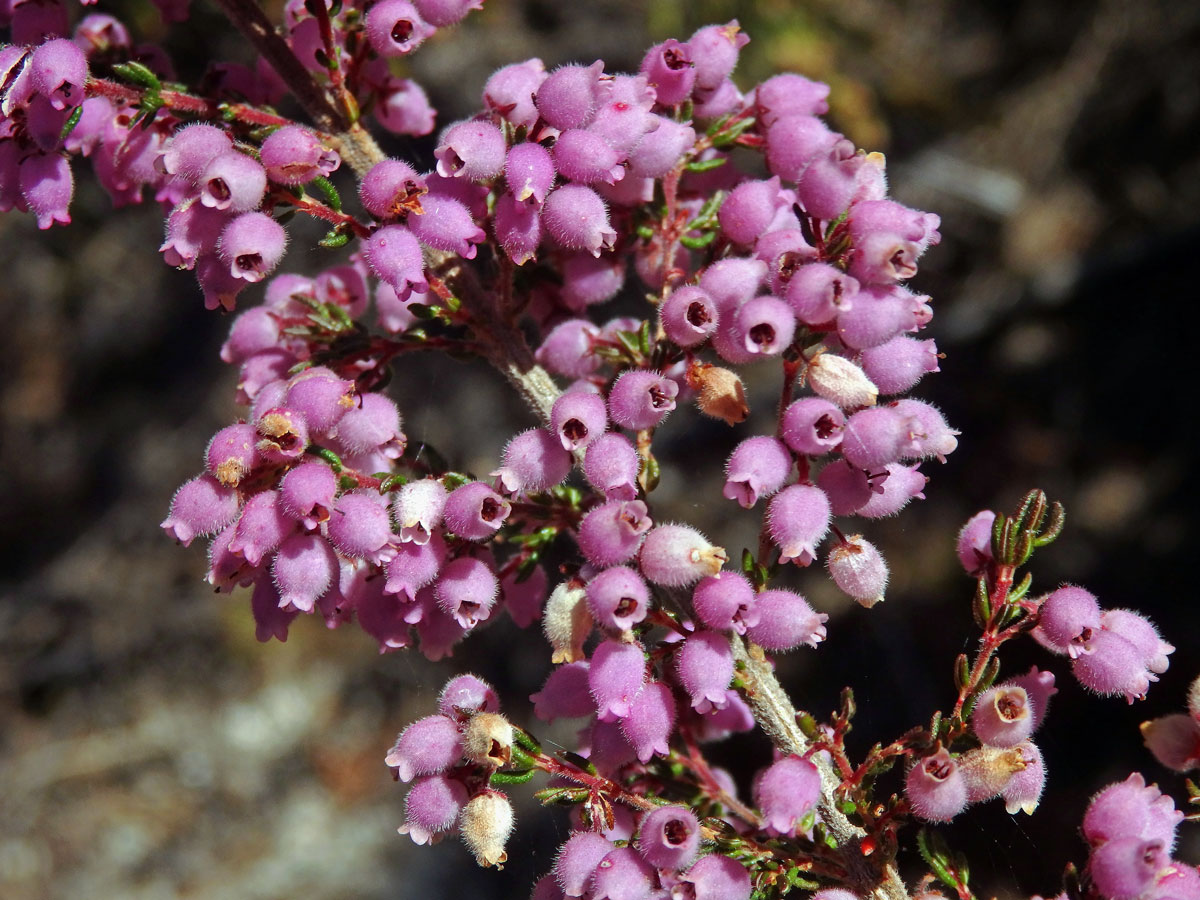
(840, 381)
(567, 621)
(485, 824)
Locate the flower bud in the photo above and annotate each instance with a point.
(785, 621)
(202, 506)
(840, 381)
(797, 520)
(705, 667)
(565, 694)
(426, 747)
(650, 721)
(725, 602)
(787, 791)
(432, 807)
(466, 590)
(577, 219)
(974, 547)
(295, 155)
(790, 95)
(577, 860)
(616, 677)
(612, 532)
(857, 567)
(758, 467)
(534, 461)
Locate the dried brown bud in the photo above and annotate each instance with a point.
(720, 393)
(567, 621)
(485, 824)
(488, 740)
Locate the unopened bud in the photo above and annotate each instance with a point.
(488, 740)
(840, 381)
(567, 621)
(720, 393)
(485, 824)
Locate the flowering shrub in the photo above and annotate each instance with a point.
(757, 236)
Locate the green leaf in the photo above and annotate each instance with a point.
(72, 121)
(325, 186)
(511, 777)
(962, 672)
(334, 238)
(526, 741)
(138, 74)
(392, 482)
(728, 136)
(706, 165)
(328, 455)
(1054, 527)
(700, 242)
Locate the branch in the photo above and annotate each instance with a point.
(775, 714)
(353, 142)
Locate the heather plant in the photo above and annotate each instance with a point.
(755, 236)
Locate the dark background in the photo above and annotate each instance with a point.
(149, 748)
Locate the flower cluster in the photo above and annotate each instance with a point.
(1130, 828)
(1115, 651)
(570, 188)
(1006, 763)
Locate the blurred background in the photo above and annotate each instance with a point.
(150, 748)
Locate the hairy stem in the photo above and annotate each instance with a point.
(775, 714)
